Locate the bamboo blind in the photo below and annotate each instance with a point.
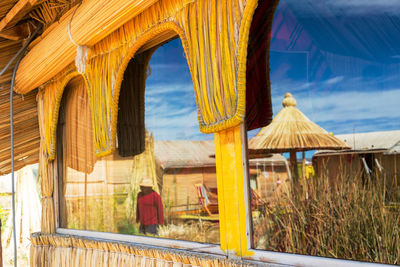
(78, 134)
(63, 251)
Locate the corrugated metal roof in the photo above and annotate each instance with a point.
(394, 149)
(276, 159)
(192, 154)
(387, 141)
(184, 153)
(371, 141)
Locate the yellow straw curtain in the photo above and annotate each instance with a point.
(45, 170)
(50, 98)
(214, 36)
(65, 251)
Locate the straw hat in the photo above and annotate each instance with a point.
(146, 182)
(291, 130)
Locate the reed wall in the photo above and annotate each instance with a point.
(64, 251)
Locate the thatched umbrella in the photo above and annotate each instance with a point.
(291, 131)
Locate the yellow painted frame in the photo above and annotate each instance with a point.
(231, 162)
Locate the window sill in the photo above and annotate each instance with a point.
(282, 258)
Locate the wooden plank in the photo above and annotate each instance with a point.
(19, 10)
(93, 20)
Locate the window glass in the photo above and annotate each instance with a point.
(161, 180)
(310, 194)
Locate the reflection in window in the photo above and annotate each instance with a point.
(161, 180)
(340, 62)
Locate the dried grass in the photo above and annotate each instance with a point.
(198, 231)
(345, 219)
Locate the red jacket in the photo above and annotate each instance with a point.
(149, 209)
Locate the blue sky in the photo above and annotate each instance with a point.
(339, 59)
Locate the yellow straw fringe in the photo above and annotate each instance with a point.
(51, 97)
(60, 250)
(214, 36)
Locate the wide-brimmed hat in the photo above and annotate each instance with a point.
(146, 182)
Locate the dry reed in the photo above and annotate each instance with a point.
(59, 250)
(345, 218)
(198, 231)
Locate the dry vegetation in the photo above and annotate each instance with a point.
(197, 231)
(346, 219)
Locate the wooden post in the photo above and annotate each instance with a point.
(293, 162)
(303, 166)
(395, 171)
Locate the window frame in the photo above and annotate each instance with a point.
(259, 256)
(209, 248)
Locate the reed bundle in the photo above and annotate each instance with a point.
(51, 10)
(291, 130)
(219, 87)
(26, 143)
(46, 170)
(5, 6)
(92, 22)
(58, 250)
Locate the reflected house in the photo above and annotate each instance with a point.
(184, 164)
(373, 154)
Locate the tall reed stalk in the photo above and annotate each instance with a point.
(345, 218)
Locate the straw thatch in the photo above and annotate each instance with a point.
(61, 250)
(291, 130)
(26, 128)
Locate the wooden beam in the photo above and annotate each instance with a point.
(16, 13)
(18, 32)
(93, 20)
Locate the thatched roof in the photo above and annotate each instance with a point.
(16, 23)
(291, 130)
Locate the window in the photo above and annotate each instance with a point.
(339, 60)
(161, 180)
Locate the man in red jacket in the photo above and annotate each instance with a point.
(149, 210)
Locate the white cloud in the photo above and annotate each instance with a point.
(334, 80)
(153, 90)
(350, 105)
